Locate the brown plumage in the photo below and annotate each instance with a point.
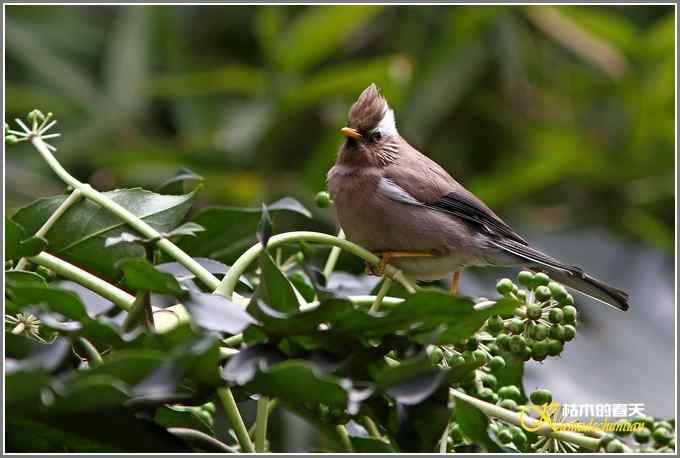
(390, 197)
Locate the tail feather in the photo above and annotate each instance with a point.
(570, 276)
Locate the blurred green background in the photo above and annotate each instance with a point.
(557, 117)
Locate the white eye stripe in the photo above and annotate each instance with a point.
(387, 125)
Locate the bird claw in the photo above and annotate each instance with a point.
(379, 269)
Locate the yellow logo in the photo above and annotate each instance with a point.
(548, 416)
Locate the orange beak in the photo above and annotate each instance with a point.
(350, 133)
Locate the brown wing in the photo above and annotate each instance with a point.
(430, 184)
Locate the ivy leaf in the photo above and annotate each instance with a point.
(181, 273)
(228, 230)
(242, 367)
(17, 245)
(19, 278)
(79, 236)
(474, 424)
(175, 185)
(189, 229)
(217, 313)
(140, 275)
(275, 289)
(264, 227)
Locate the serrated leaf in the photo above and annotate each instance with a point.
(80, 234)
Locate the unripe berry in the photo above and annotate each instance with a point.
(661, 436)
(503, 341)
(606, 439)
(518, 437)
(517, 344)
(495, 324)
(508, 404)
(472, 343)
(541, 396)
(479, 357)
(455, 360)
(488, 380)
(555, 347)
(542, 293)
(11, 139)
(496, 363)
(534, 311)
(493, 348)
(538, 332)
(570, 314)
(557, 291)
(615, 446)
(525, 278)
(541, 279)
(436, 354)
(505, 436)
(663, 424)
(510, 392)
(555, 316)
(505, 286)
(568, 300)
(642, 436)
(557, 332)
(515, 325)
(488, 395)
(569, 332)
(540, 351)
(323, 199)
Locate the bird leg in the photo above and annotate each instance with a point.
(385, 257)
(455, 282)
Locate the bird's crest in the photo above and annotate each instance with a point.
(368, 110)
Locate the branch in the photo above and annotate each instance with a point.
(229, 281)
(65, 205)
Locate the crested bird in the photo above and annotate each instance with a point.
(395, 201)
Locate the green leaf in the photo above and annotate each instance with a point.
(275, 289)
(295, 382)
(229, 230)
(129, 366)
(67, 305)
(80, 234)
(95, 393)
(190, 229)
(140, 275)
(183, 417)
(318, 32)
(217, 313)
(371, 445)
(19, 278)
(175, 185)
(17, 245)
(264, 227)
(474, 424)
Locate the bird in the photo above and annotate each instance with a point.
(398, 203)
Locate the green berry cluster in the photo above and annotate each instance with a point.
(542, 325)
(655, 436)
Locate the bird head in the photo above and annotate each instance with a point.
(371, 130)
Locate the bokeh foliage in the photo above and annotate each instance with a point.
(561, 117)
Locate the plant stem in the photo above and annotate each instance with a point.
(493, 410)
(231, 409)
(94, 356)
(387, 282)
(344, 438)
(371, 427)
(261, 420)
(92, 282)
(333, 258)
(206, 442)
(135, 222)
(47, 225)
(229, 281)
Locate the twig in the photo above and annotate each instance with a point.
(231, 409)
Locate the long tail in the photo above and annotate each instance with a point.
(570, 276)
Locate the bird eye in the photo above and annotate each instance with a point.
(377, 135)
